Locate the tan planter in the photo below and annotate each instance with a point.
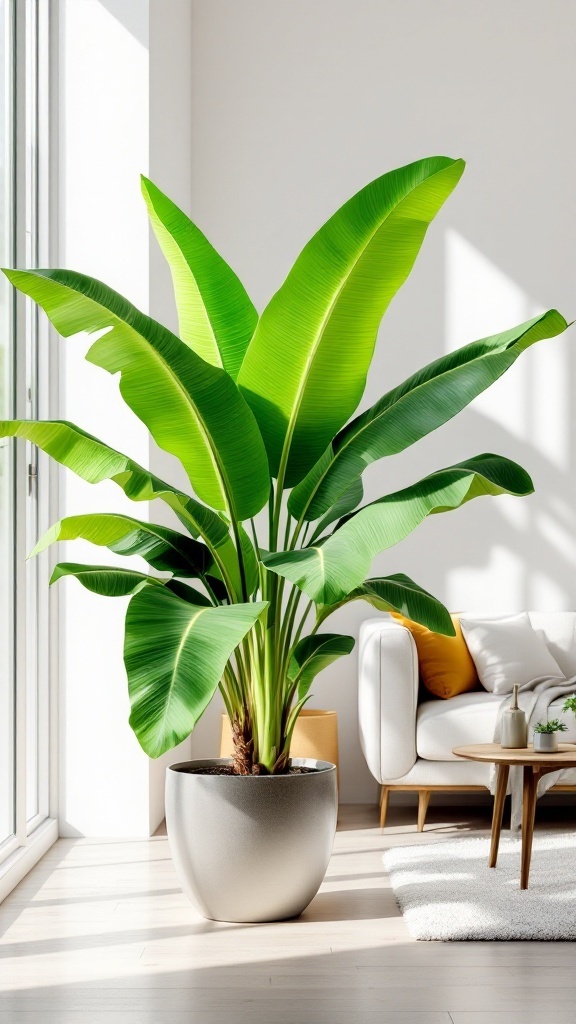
(315, 735)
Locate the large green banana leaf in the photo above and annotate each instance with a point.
(216, 317)
(330, 571)
(423, 402)
(107, 580)
(86, 456)
(94, 461)
(164, 549)
(192, 409)
(175, 654)
(312, 654)
(305, 369)
(345, 504)
(112, 581)
(186, 592)
(399, 593)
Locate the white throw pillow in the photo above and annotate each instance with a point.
(507, 651)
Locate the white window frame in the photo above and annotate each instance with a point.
(36, 371)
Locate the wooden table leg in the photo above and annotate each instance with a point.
(528, 814)
(503, 771)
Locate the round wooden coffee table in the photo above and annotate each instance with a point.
(535, 765)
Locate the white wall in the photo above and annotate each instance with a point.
(296, 105)
(261, 119)
(170, 166)
(112, 55)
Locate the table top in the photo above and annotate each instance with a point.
(564, 757)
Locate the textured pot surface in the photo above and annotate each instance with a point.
(545, 742)
(251, 848)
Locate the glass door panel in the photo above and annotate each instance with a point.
(7, 469)
(33, 739)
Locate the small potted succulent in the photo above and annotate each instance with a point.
(545, 738)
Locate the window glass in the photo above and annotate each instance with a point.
(7, 730)
(33, 739)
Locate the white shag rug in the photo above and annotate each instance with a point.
(447, 891)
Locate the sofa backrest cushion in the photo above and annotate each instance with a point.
(507, 650)
(558, 629)
(444, 662)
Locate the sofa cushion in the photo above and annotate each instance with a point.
(558, 629)
(507, 650)
(469, 718)
(444, 663)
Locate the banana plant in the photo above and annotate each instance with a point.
(258, 411)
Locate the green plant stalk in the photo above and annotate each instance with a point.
(241, 565)
(288, 623)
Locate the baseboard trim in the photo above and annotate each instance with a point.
(14, 869)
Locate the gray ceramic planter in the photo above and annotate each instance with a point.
(545, 742)
(251, 848)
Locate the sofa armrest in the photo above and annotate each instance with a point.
(388, 697)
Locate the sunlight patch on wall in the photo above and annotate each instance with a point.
(545, 593)
(516, 511)
(496, 587)
(530, 401)
(560, 540)
(526, 416)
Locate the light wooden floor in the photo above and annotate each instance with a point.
(99, 933)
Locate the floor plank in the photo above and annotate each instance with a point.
(100, 931)
(282, 1015)
(534, 1016)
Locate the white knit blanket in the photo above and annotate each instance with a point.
(535, 699)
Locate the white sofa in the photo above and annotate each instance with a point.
(408, 744)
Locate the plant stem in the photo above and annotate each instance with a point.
(209, 590)
(241, 566)
(271, 517)
(302, 623)
(255, 536)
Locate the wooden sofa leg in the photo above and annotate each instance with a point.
(384, 792)
(423, 801)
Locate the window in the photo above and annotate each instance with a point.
(7, 493)
(25, 826)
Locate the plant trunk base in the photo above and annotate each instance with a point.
(243, 757)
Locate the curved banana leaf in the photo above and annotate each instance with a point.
(305, 369)
(399, 593)
(164, 549)
(94, 461)
(345, 504)
(86, 456)
(330, 571)
(186, 592)
(216, 317)
(312, 654)
(107, 580)
(421, 404)
(175, 653)
(112, 581)
(192, 409)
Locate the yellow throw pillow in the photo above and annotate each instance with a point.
(446, 667)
